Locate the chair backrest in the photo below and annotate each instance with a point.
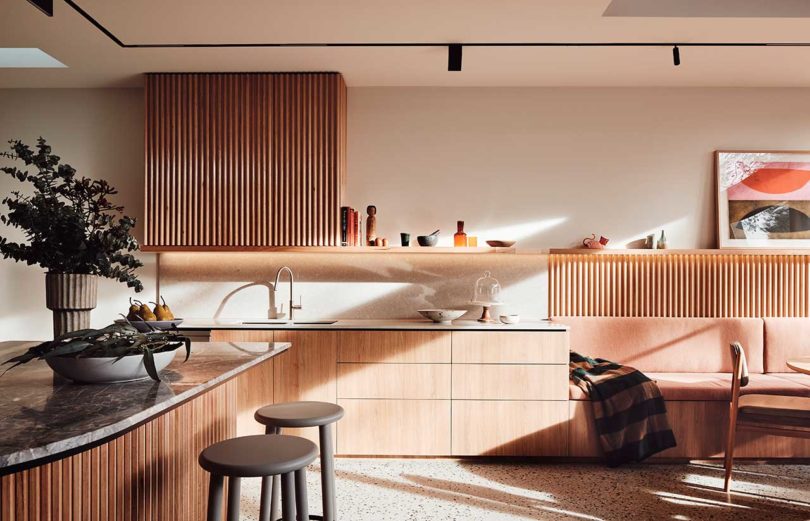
(667, 345)
(739, 375)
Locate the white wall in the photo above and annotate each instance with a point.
(100, 133)
(558, 163)
(546, 166)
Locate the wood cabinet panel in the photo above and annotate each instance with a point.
(238, 160)
(510, 428)
(512, 347)
(394, 427)
(400, 381)
(510, 382)
(402, 347)
(254, 389)
(306, 371)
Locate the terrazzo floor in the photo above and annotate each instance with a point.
(465, 490)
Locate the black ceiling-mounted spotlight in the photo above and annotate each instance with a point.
(676, 56)
(454, 57)
(46, 6)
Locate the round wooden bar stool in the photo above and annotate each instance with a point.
(259, 457)
(303, 414)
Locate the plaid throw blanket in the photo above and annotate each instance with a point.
(631, 417)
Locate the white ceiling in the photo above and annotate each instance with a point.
(95, 61)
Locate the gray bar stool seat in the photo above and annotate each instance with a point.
(259, 457)
(297, 415)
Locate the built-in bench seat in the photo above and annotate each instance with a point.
(691, 361)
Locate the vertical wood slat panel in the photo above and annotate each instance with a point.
(679, 284)
(244, 159)
(147, 474)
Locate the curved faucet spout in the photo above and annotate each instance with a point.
(293, 306)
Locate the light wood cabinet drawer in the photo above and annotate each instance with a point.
(510, 347)
(510, 382)
(510, 428)
(425, 381)
(394, 427)
(403, 347)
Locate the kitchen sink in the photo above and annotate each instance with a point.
(293, 323)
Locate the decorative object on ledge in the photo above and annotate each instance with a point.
(594, 244)
(72, 229)
(679, 283)
(487, 289)
(460, 238)
(116, 353)
(405, 239)
(662, 242)
(501, 244)
(763, 199)
(428, 240)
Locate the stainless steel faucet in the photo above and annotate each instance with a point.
(293, 306)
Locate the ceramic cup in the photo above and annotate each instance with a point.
(405, 239)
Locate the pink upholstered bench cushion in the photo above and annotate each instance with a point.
(689, 345)
(716, 386)
(785, 338)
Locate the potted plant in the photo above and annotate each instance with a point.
(116, 353)
(71, 229)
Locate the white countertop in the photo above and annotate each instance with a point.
(404, 324)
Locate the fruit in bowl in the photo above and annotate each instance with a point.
(144, 319)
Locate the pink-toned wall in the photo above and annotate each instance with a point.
(546, 166)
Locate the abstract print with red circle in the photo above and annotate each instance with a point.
(772, 201)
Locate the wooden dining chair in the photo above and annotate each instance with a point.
(766, 413)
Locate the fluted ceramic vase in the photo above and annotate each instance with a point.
(71, 297)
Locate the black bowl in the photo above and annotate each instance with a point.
(427, 240)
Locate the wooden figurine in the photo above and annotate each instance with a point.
(371, 226)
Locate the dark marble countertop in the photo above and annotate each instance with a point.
(43, 416)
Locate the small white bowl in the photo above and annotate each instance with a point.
(510, 319)
(442, 316)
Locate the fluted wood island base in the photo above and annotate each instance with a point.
(104, 469)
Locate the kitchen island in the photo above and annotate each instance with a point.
(122, 451)
(415, 388)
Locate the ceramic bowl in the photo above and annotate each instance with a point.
(442, 316)
(143, 326)
(510, 319)
(427, 240)
(93, 370)
(501, 244)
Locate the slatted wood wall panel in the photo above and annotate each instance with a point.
(150, 473)
(679, 285)
(244, 160)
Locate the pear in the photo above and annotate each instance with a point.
(168, 312)
(134, 308)
(162, 311)
(145, 313)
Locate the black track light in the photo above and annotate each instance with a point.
(454, 57)
(676, 56)
(46, 6)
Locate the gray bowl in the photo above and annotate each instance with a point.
(427, 240)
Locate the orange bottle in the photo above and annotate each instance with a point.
(460, 238)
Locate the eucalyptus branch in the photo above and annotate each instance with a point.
(69, 222)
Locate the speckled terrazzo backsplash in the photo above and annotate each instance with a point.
(343, 285)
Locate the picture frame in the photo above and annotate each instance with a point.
(763, 198)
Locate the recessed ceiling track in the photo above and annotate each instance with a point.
(120, 43)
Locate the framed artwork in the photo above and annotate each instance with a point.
(763, 199)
